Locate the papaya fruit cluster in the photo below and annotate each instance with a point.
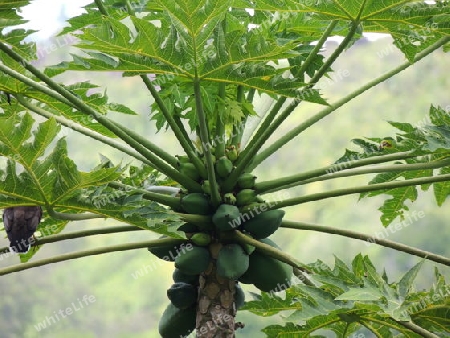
(240, 209)
(179, 318)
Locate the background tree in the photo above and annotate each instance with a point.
(211, 70)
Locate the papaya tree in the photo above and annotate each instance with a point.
(206, 65)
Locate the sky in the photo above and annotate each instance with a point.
(47, 16)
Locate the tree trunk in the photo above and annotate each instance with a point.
(216, 309)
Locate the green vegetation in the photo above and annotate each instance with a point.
(209, 66)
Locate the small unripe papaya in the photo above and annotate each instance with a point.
(201, 239)
(177, 322)
(182, 295)
(180, 277)
(231, 153)
(267, 273)
(194, 261)
(223, 167)
(189, 169)
(183, 159)
(246, 181)
(245, 197)
(226, 217)
(232, 261)
(264, 224)
(196, 203)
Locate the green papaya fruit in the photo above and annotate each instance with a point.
(177, 322)
(223, 167)
(246, 181)
(194, 261)
(196, 203)
(182, 295)
(245, 197)
(226, 217)
(167, 252)
(231, 153)
(239, 297)
(232, 261)
(189, 169)
(179, 277)
(267, 273)
(201, 239)
(264, 224)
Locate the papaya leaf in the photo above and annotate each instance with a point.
(40, 180)
(188, 42)
(8, 13)
(413, 25)
(429, 140)
(269, 304)
(364, 300)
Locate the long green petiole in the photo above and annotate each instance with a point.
(172, 202)
(339, 170)
(382, 169)
(176, 128)
(82, 130)
(239, 129)
(78, 234)
(364, 237)
(327, 111)
(91, 252)
(262, 135)
(204, 137)
(358, 190)
(220, 123)
(135, 141)
(268, 127)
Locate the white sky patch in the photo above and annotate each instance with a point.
(48, 16)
